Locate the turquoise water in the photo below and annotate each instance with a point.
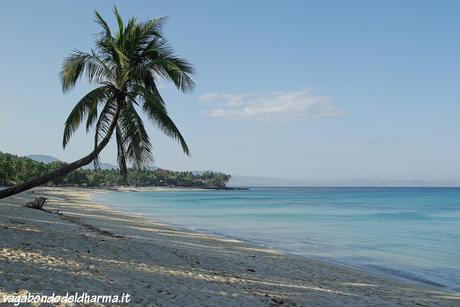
(413, 233)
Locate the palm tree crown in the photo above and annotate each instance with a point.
(125, 67)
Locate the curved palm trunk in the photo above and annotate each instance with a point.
(65, 169)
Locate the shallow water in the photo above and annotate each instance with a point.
(413, 233)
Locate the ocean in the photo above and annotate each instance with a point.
(412, 233)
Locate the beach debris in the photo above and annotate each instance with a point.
(16, 222)
(93, 228)
(250, 270)
(38, 203)
(276, 302)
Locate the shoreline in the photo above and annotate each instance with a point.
(385, 272)
(181, 259)
(123, 188)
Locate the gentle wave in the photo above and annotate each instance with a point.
(412, 233)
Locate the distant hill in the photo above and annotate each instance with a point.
(102, 165)
(249, 181)
(252, 181)
(105, 165)
(48, 159)
(43, 158)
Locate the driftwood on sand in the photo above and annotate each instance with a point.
(38, 203)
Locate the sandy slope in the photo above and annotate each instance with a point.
(91, 248)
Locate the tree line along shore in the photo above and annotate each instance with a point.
(15, 170)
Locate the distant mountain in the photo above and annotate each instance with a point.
(48, 159)
(43, 158)
(102, 165)
(252, 181)
(249, 181)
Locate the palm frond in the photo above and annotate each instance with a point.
(88, 104)
(104, 121)
(119, 22)
(154, 27)
(153, 105)
(103, 24)
(135, 137)
(103, 124)
(72, 69)
(77, 63)
(167, 65)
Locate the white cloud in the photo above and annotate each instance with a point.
(209, 97)
(275, 105)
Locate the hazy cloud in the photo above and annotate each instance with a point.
(275, 105)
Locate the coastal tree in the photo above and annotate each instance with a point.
(124, 67)
(15, 170)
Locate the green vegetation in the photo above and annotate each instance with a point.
(15, 170)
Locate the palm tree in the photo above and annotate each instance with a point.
(125, 67)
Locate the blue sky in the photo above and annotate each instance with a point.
(295, 89)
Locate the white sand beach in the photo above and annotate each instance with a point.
(91, 248)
